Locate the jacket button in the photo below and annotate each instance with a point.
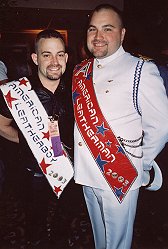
(80, 143)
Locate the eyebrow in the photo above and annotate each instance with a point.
(108, 25)
(61, 51)
(104, 26)
(46, 52)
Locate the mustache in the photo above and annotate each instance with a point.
(99, 42)
(56, 66)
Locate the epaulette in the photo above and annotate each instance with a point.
(144, 57)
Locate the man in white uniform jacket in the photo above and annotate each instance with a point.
(136, 108)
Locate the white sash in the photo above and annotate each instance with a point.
(32, 120)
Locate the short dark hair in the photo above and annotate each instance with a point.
(48, 33)
(108, 7)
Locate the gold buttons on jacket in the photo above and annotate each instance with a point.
(99, 66)
(80, 143)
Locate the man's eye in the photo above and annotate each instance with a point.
(107, 29)
(91, 29)
(46, 55)
(61, 54)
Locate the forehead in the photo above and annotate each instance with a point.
(105, 16)
(50, 44)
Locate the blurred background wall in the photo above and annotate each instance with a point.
(20, 20)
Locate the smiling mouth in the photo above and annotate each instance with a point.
(99, 44)
(54, 69)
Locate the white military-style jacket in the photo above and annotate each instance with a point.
(121, 102)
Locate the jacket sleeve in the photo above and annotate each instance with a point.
(154, 108)
(3, 71)
(164, 74)
(4, 111)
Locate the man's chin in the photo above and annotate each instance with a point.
(54, 77)
(99, 54)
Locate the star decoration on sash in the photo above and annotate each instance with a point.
(101, 162)
(101, 129)
(118, 192)
(23, 82)
(108, 143)
(75, 95)
(88, 76)
(57, 189)
(120, 149)
(44, 166)
(46, 135)
(9, 99)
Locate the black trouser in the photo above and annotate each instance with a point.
(36, 195)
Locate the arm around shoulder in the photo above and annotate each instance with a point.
(7, 130)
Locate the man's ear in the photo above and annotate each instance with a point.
(66, 57)
(34, 58)
(123, 34)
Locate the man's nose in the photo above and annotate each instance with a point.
(98, 34)
(54, 60)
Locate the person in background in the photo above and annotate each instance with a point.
(121, 112)
(3, 72)
(49, 85)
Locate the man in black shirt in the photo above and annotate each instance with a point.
(51, 58)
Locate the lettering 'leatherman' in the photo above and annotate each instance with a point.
(110, 156)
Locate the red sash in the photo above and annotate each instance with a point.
(108, 153)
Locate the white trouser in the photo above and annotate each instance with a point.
(112, 222)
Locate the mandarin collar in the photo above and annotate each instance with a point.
(110, 58)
